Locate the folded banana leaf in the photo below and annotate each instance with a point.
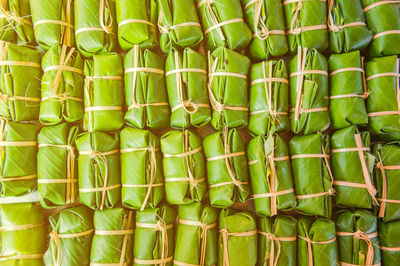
(186, 79)
(269, 98)
(16, 22)
(306, 24)
(224, 24)
(53, 22)
(389, 237)
(357, 238)
(227, 87)
(312, 174)
(277, 241)
(23, 234)
(317, 242)
(270, 175)
(112, 242)
(141, 169)
(95, 26)
(20, 82)
(383, 102)
(178, 24)
(347, 103)
(104, 93)
(57, 168)
(383, 19)
(387, 180)
(154, 236)
(137, 22)
(226, 168)
(237, 240)
(347, 28)
(184, 167)
(18, 150)
(265, 19)
(309, 92)
(99, 169)
(70, 238)
(62, 86)
(145, 93)
(196, 235)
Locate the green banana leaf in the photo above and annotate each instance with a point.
(232, 31)
(270, 172)
(57, 167)
(228, 92)
(179, 24)
(387, 180)
(113, 237)
(284, 228)
(71, 237)
(347, 103)
(19, 82)
(265, 19)
(99, 169)
(383, 99)
(53, 22)
(237, 240)
(389, 241)
(104, 93)
(226, 168)
(314, 92)
(380, 19)
(62, 90)
(184, 167)
(95, 26)
(16, 22)
(264, 91)
(23, 234)
(352, 248)
(18, 158)
(145, 93)
(187, 88)
(311, 174)
(299, 16)
(154, 236)
(347, 28)
(137, 23)
(141, 169)
(196, 235)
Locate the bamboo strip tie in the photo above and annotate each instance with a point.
(367, 238)
(273, 239)
(336, 28)
(309, 246)
(225, 235)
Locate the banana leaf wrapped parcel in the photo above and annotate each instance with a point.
(224, 24)
(277, 243)
(137, 23)
(23, 234)
(145, 93)
(154, 236)
(271, 175)
(113, 237)
(266, 20)
(389, 242)
(18, 150)
(62, 86)
(186, 79)
(357, 238)
(99, 169)
(57, 168)
(237, 240)
(71, 237)
(104, 93)
(196, 235)
(20, 82)
(141, 169)
(312, 174)
(227, 87)
(226, 168)
(184, 167)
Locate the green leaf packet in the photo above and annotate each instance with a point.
(389, 242)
